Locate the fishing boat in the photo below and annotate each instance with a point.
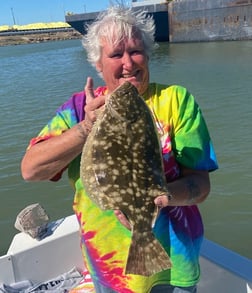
(188, 20)
(29, 259)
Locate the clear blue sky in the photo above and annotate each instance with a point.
(31, 11)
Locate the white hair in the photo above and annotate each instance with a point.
(114, 24)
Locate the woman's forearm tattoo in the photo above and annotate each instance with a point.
(193, 190)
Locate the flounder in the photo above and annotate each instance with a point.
(122, 169)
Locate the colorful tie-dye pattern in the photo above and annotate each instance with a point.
(185, 140)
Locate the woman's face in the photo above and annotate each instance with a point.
(126, 61)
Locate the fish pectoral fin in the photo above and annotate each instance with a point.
(146, 255)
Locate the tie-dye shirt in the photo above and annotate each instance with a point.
(185, 140)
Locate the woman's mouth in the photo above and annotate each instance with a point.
(130, 75)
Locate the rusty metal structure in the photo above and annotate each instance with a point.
(210, 20)
(189, 20)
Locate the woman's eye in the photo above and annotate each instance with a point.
(136, 52)
(116, 55)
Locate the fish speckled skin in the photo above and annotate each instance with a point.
(122, 169)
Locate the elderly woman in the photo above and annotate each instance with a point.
(119, 44)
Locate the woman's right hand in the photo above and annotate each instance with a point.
(48, 158)
(92, 103)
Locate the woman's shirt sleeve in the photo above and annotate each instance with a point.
(191, 141)
(66, 116)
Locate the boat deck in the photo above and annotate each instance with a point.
(39, 261)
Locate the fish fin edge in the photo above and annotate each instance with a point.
(146, 256)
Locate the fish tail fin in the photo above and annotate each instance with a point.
(146, 255)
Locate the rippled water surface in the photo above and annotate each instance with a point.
(35, 79)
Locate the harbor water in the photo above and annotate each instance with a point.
(36, 78)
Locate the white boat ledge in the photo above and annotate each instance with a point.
(38, 261)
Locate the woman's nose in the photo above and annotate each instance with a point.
(127, 61)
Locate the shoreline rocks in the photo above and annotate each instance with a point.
(18, 39)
